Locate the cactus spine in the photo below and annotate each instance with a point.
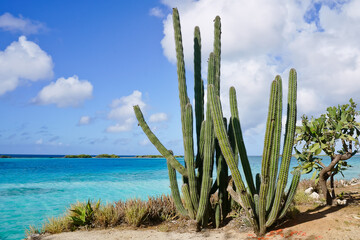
(198, 169)
(257, 201)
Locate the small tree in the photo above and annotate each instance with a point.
(337, 129)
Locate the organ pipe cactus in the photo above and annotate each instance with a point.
(197, 173)
(263, 203)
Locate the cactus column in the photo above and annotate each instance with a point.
(256, 201)
(197, 172)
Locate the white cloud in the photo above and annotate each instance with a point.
(158, 117)
(84, 120)
(65, 92)
(122, 112)
(19, 24)
(144, 142)
(261, 39)
(156, 12)
(39, 141)
(23, 60)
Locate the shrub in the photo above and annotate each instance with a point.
(161, 208)
(58, 225)
(107, 216)
(135, 212)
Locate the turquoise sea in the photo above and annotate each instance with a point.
(33, 189)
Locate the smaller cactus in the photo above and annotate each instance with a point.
(262, 202)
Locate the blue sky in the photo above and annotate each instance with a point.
(70, 71)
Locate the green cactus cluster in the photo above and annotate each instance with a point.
(198, 183)
(221, 143)
(264, 201)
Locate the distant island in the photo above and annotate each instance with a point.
(89, 156)
(107, 156)
(5, 156)
(78, 156)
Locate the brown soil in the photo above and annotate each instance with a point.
(312, 222)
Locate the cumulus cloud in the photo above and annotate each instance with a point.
(22, 61)
(156, 12)
(122, 112)
(19, 24)
(84, 120)
(158, 117)
(261, 39)
(65, 92)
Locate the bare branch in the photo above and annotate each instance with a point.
(234, 194)
(320, 163)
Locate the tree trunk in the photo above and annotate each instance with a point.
(325, 173)
(332, 188)
(323, 176)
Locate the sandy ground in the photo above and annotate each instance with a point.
(335, 223)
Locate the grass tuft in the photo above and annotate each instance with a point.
(135, 212)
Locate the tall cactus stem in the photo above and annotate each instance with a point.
(189, 155)
(208, 163)
(184, 99)
(265, 164)
(217, 52)
(275, 150)
(287, 151)
(198, 85)
(240, 141)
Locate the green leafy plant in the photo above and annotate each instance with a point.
(337, 127)
(83, 215)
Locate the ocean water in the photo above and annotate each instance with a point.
(34, 189)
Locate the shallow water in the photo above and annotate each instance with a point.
(34, 189)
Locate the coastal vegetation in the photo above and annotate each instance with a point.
(107, 156)
(337, 126)
(133, 212)
(156, 156)
(160, 212)
(264, 201)
(78, 156)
